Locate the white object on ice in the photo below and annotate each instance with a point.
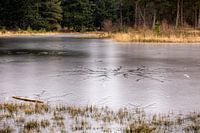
(186, 75)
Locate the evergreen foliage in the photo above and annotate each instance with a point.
(82, 15)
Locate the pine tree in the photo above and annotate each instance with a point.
(78, 14)
(104, 10)
(11, 13)
(51, 14)
(31, 17)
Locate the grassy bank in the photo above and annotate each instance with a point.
(167, 36)
(35, 117)
(132, 35)
(6, 33)
(84, 35)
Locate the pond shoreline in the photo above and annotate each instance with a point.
(129, 37)
(86, 35)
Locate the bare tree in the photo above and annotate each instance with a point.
(142, 15)
(121, 14)
(154, 19)
(181, 15)
(136, 14)
(199, 17)
(178, 13)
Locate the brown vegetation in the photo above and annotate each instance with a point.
(6, 33)
(55, 118)
(165, 36)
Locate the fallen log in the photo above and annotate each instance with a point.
(27, 100)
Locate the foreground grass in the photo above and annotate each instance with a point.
(167, 36)
(34, 117)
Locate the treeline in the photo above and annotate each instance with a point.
(83, 15)
(35, 14)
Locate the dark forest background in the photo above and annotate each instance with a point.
(90, 15)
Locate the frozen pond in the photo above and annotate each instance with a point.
(159, 78)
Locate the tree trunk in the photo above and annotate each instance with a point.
(121, 14)
(195, 19)
(136, 14)
(178, 13)
(144, 18)
(154, 19)
(199, 19)
(181, 15)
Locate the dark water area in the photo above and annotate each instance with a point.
(61, 68)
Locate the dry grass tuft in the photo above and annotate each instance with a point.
(169, 36)
(6, 129)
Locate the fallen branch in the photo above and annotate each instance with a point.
(27, 100)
